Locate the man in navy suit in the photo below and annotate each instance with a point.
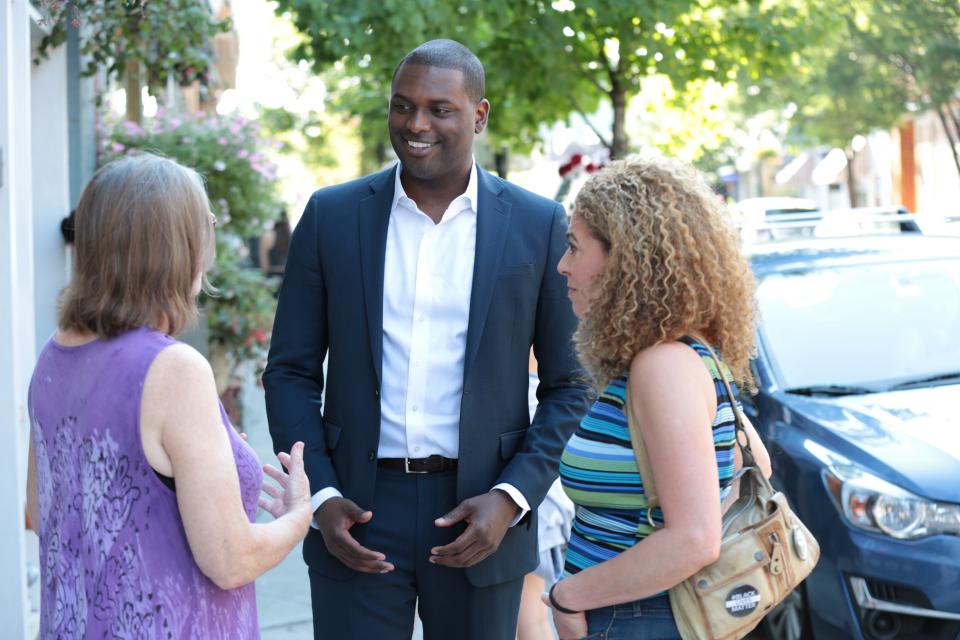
(424, 286)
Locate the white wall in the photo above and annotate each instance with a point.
(51, 187)
(17, 344)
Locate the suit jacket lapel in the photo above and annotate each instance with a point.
(374, 219)
(493, 220)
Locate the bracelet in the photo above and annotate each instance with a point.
(556, 605)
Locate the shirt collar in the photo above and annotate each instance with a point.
(399, 195)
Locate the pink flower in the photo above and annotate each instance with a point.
(132, 128)
(222, 140)
(116, 147)
(243, 153)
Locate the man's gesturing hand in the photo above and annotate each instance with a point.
(488, 517)
(335, 517)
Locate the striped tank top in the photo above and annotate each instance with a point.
(599, 473)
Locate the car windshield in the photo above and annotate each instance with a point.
(862, 326)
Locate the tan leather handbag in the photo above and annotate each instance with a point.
(765, 550)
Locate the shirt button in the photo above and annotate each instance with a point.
(416, 449)
(372, 455)
(376, 392)
(420, 318)
(415, 408)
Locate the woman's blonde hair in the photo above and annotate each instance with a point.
(674, 268)
(143, 233)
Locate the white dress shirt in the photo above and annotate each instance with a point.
(427, 283)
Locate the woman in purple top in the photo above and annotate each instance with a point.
(142, 493)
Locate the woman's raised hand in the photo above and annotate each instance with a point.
(291, 494)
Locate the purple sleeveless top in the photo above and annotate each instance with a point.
(114, 557)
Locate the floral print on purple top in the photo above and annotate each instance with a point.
(114, 557)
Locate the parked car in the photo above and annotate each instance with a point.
(755, 217)
(858, 374)
(875, 220)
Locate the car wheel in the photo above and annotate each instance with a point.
(788, 621)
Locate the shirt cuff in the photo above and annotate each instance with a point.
(517, 497)
(322, 496)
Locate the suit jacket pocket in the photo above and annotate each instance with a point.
(331, 434)
(510, 442)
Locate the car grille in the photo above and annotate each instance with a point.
(897, 594)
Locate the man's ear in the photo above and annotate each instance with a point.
(481, 115)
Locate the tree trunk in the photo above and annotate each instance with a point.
(502, 161)
(953, 137)
(852, 178)
(132, 86)
(621, 143)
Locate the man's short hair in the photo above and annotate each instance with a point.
(450, 54)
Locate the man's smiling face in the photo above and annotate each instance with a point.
(433, 121)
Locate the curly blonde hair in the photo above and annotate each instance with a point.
(674, 268)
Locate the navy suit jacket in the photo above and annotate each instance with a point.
(331, 305)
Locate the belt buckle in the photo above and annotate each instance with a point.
(406, 467)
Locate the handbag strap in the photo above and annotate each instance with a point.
(640, 451)
(748, 459)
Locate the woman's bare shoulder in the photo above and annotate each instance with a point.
(666, 359)
(179, 382)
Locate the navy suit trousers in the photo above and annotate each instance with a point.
(382, 606)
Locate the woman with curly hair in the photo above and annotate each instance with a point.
(655, 274)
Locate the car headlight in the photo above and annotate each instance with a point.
(871, 503)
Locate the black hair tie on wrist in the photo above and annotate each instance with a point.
(556, 605)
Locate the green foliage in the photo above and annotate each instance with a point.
(231, 155)
(548, 60)
(877, 61)
(240, 315)
(306, 135)
(918, 42)
(169, 37)
(696, 125)
(228, 151)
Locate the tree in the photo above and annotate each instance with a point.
(547, 61)
(357, 46)
(918, 43)
(697, 125)
(878, 61)
(606, 49)
(835, 94)
(130, 37)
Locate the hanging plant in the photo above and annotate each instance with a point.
(166, 38)
(231, 155)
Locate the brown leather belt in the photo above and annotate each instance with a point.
(432, 464)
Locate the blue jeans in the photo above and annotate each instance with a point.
(647, 619)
